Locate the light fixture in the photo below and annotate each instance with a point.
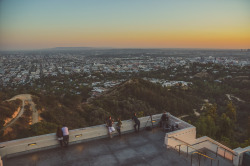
(32, 144)
(79, 135)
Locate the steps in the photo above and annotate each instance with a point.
(198, 160)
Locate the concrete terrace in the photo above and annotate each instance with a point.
(144, 148)
(90, 146)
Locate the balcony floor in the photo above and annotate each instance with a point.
(144, 148)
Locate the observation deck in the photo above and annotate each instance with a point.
(143, 148)
(91, 146)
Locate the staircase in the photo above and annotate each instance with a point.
(200, 157)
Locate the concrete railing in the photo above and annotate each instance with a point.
(186, 132)
(78, 135)
(185, 138)
(240, 151)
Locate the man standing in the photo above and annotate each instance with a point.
(137, 123)
(65, 131)
(118, 126)
(164, 119)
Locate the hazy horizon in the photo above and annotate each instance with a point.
(116, 48)
(193, 24)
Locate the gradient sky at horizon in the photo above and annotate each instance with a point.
(34, 24)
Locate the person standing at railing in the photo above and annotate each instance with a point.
(59, 135)
(110, 127)
(164, 119)
(118, 126)
(137, 122)
(65, 131)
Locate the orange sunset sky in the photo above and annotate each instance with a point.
(34, 24)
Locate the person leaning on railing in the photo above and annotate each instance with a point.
(65, 131)
(110, 127)
(59, 135)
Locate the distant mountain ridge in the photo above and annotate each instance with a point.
(71, 48)
(79, 48)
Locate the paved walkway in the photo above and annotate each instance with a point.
(145, 148)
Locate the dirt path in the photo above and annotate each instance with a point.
(183, 116)
(35, 113)
(28, 98)
(196, 113)
(15, 119)
(229, 96)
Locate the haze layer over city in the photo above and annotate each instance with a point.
(75, 63)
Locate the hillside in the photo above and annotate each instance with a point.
(8, 110)
(218, 116)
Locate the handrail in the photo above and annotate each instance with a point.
(217, 145)
(200, 154)
(204, 155)
(187, 144)
(190, 147)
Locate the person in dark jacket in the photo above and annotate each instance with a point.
(118, 126)
(59, 135)
(137, 122)
(164, 119)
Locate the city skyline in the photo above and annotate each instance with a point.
(124, 24)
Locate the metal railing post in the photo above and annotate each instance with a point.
(179, 150)
(225, 153)
(199, 158)
(187, 151)
(191, 158)
(217, 151)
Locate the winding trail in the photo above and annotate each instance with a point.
(15, 119)
(230, 96)
(24, 98)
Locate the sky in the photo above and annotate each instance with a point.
(36, 24)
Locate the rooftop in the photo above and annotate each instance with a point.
(144, 148)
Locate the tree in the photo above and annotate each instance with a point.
(201, 126)
(226, 126)
(206, 126)
(211, 110)
(211, 127)
(231, 111)
(41, 128)
(1, 123)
